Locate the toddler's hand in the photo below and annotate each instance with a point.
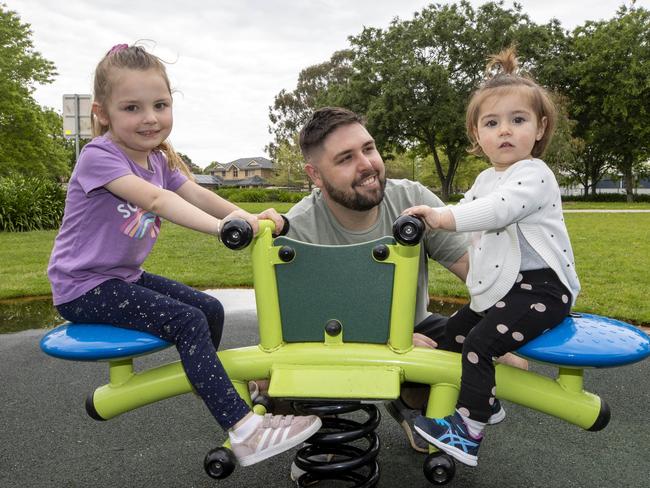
(430, 216)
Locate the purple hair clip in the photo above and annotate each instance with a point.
(117, 48)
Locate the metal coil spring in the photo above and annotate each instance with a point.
(328, 454)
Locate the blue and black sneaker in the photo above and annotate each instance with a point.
(451, 436)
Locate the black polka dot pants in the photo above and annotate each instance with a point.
(192, 320)
(537, 302)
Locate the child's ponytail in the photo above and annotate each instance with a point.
(503, 76)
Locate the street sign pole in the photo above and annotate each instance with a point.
(76, 126)
(76, 119)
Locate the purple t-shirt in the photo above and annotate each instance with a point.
(102, 236)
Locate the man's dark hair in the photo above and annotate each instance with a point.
(322, 122)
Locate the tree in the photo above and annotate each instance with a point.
(413, 79)
(289, 165)
(608, 81)
(30, 136)
(290, 110)
(569, 156)
(213, 166)
(194, 169)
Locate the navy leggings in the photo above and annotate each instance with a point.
(537, 302)
(192, 320)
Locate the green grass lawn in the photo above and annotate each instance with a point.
(612, 254)
(612, 257)
(606, 205)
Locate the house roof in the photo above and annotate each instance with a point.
(208, 180)
(248, 163)
(252, 181)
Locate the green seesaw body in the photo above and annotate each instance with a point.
(335, 369)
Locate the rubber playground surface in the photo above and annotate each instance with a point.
(49, 441)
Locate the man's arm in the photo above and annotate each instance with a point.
(461, 267)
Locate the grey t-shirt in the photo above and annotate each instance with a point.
(311, 221)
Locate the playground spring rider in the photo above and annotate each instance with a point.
(368, 290)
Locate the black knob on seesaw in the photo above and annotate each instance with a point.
(408, 230)
(236, 234)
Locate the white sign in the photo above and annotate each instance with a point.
(76, 116)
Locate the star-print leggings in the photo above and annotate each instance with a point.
(174, 312)
(537, 302)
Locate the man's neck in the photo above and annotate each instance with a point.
(354, 220)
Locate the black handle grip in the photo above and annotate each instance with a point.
(236, 234)
(408, 230)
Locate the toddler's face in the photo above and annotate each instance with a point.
(508, 128)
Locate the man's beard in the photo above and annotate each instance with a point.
(355, 201)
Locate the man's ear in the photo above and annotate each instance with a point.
(314, 174)
(98, 111)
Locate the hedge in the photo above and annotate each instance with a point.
(30, 203)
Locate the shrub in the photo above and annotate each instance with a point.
(260, 195)
(30, 203)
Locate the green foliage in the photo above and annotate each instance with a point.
(607, 78)
(194, 169)
(31, 139)
(290, 110)
(30, 203)
(260, 195)
(289, 168)
(212, 166)
(412, 80)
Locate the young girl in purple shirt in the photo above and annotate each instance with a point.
(126, 179)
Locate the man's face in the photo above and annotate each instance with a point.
(348, 168)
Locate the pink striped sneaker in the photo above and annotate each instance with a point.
(275, 434)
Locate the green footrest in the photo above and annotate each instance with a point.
(335, 382)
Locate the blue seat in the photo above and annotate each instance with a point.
(586, 340)
(98, 342)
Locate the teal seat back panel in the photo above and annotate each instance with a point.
(335, 282)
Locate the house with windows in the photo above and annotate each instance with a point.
(242, 173)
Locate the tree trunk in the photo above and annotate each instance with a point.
(445, 182)
(628, 179)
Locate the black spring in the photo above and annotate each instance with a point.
(329, 454)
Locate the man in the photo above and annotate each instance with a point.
(353, 203)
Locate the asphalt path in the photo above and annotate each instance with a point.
(47, 440)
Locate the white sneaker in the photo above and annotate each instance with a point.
(275, 434)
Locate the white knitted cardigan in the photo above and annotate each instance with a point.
(527, 195)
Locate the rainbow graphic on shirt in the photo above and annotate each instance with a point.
(141, 224)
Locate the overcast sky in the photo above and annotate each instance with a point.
(229, 58)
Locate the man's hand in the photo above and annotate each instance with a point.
(420, 340)
(272, 214)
